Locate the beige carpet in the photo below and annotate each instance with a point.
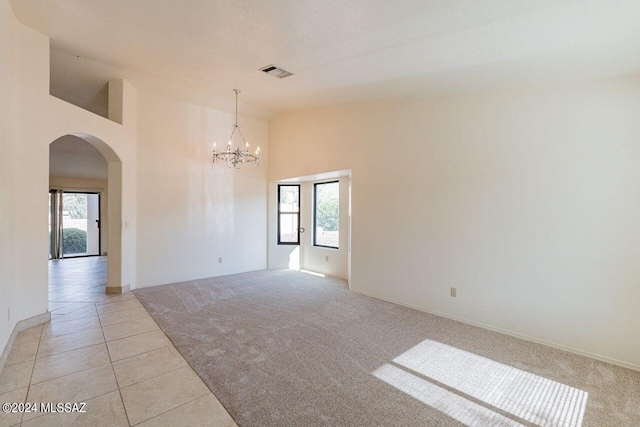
(284, 348)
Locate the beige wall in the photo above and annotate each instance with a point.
(525, 201)
(314, 258)
(191, 211)
(8, 290)
(35, 120)
(186, 212)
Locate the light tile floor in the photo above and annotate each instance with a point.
(110, 354)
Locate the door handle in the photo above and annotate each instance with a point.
(301, 229)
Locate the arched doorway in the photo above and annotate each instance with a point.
(85, 184)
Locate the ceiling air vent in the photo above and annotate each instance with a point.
(272, 70)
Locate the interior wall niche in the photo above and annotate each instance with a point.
(79, 82)
(307, 256)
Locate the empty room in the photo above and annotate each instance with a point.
(333, 213)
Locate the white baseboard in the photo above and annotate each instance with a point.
(510, 333)
(21, 326)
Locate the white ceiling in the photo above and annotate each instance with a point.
(73, 157)
(345, 50)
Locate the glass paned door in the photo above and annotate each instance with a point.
(74, 224)
(81, 224)
(288, 214)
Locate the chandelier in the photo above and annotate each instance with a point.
(236, 158)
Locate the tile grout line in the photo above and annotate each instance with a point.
(40, 415)
(62, 318)
(33, 368)
(69, 303)
(129, 336)
(155, 376)
(179, 406)
(138, 354)
(58, 318)
(186, 365)
(68, 351)
(68, 323)
(120, 311)
(89, 301)
(125, 321)
(124, 408)
(113, 300)
(49, 337)
(70, 373)
(65, 334)
(73, 349)
(175, 348)
(118, 302)
(119, 321)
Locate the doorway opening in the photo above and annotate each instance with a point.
(83, 200)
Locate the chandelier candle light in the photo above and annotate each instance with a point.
(238, 157)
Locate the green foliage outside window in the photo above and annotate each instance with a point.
(328, 214)
(74, 241)
(75, 205)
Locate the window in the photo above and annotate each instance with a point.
(288, 214)
(326, 214)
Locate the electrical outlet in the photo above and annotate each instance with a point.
(220, 260)
(326, 258)
(454, 292)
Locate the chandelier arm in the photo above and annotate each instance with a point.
(244, 143)
(233, 132)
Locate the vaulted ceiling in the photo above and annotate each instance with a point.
(73, 157)
(345, 50)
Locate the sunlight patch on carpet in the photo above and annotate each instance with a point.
(313, 273)
(483, 388)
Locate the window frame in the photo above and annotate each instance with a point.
(315, 208)
(288, 213)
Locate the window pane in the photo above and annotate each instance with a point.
(288, 214)
(289, 198)
(327, 214)
(289, 228)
